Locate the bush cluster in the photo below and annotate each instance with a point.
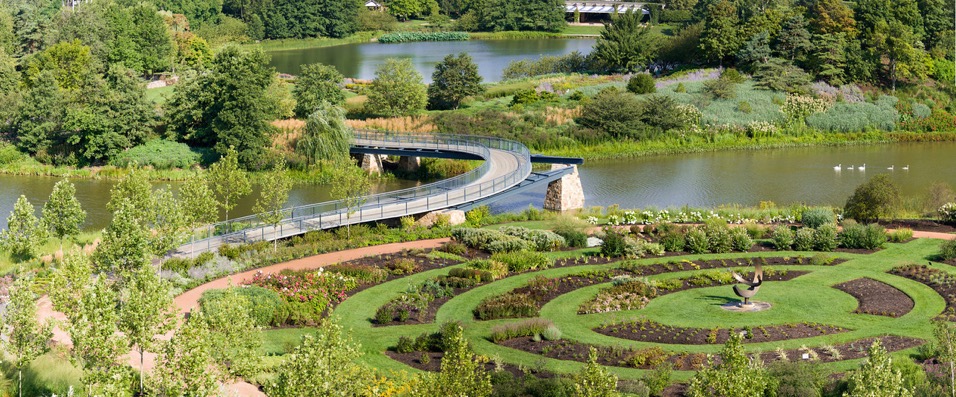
(364, 273)
(947, 251)
(417, 298)
(522, 261)
(817, 216)
(266, 308)
(542, 240)
(407, 37)
(510, 305)
(159, 154)
(430, 342)
(641, 83)
(858, 236)
(497, 269)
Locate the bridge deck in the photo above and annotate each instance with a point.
(507, 164)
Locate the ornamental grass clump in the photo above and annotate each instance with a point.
(497, 269)
(521, 261)
(526, 328)
(817, 216)
(857, 236)
(510, 305)
(901, 235)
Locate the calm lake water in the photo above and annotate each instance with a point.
(784, 176)
(491, 56)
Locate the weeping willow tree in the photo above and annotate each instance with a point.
(326, 137)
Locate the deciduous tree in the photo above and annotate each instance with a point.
(326, 137)
(720, 37)
(455, 78)
(25, 338)
(595, 380)
(876, 376)
(197, 201)
(735, 374)
(97, 344)
(350, 185)
(24, 233)
(462, 372)
(62, 212)
(397, 90)
(234, 339)
(146, 310)
(945, 334)
(273, 193)
(872, 200)
(186, 366)
(315, 84)
(228, 181)
(125, 244)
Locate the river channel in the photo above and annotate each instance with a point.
(784, 176)
(491, 56)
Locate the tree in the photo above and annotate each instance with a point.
(226, 107)
(754, 52)
(350, 185)
(167, 224)
(135, 188)
(794, 39)
(779, 74)
(735, 374)
(234, 339)
(197, 200)
(24, 233)
(901, 47)
(329, 355)
(228, 181)
(625, 45)
(945, 334)
(273, 193)
(40, 116)
(326, 137)
(831, 17)
(125, 244)
(62, 212)
(455, 78)
(97, 344)
(397, 90)
(594, 380)
(876, 376)
(315, 84)
(69, 280)
(25, 338)
(462, 372)
(720, 37)
(828, 58)
(186, 366)
(502, 15)
(404, 9)
(872, 200)
(146, 310)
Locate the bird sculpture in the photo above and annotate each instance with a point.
(752, 286)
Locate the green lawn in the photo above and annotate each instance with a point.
(806, 298)
(160, 95)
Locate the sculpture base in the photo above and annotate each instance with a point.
(740, 307)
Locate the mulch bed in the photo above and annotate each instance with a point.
(651, 331)
(942, 282)
(877, 298)
(648, 358)
(923, 225)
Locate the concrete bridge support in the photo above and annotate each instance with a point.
(372, 163)
(409, 164)
(566, 193)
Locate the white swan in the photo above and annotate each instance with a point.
(850, 167)
(838, 167)
(890, 168)
(862, 167)
(906, 167)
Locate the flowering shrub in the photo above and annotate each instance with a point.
(309, 293)
(761, 129)
(688, 215)
(798, 107)
(626, 293)
(947, 213)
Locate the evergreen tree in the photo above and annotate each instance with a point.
(24, 233)
(455, 78)
(25, 338)
(876, 376)
(146, 310)
(315, 84)
(62, 213)
(397, 90)
(273, 193)
(228, 181)
(793, 41)
(625, 45)
(828, 59)
(754, 52)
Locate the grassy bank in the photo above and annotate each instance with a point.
(716, 142)
(314, 42)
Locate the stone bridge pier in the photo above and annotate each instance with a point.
(565, 194)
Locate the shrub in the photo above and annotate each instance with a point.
(520, 261)
(740, 240)
(947, 213)
(818, 216)
(614, 112)
(782, 238)
(551, 333)
(825, 237)
(160, 154)
(510, 244)
(483, 276)
(947, 250)
(265, 307)
(497, 269)
(852, 235)
(365, 273)
(697, 242)
(744, 107)
(673, 240)
(821, 260)
(856, 236)
(530, 327)
(613, 244)
(641, 83)
(718, 234)
(755, 230)
(680, 88)
(803, 241)
(573, 238)
(733, 76)
(454, 248)
(477, 216)
(653, 249)
(720, 88)
(510, 305)
(901, 235)
(542, 240)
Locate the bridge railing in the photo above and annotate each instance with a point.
(438, 195)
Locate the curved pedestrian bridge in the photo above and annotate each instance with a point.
(506, 169)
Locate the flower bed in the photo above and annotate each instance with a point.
(942, 282)
(650, 331)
